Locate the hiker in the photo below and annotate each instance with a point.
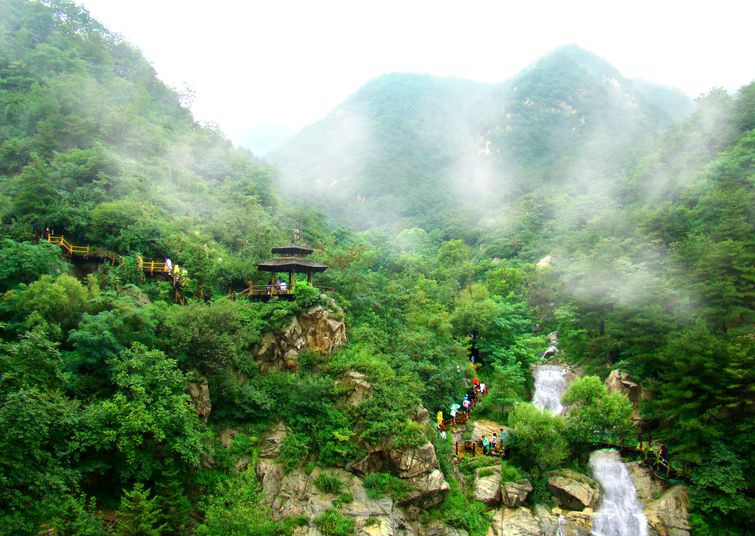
(168, 266)
(440, 420)
(466, 404)
(485, 444)
(453, 414)
(443, 435)
(483, 389)
(493, 441)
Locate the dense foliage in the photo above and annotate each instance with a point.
(652, 270)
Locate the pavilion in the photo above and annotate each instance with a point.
(291, 261)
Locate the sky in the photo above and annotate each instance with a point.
(263, 69)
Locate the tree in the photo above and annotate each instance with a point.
(150, 416)
(594, 413)
(239, 509)
(25, 262)
(138, 514)
(537, 438)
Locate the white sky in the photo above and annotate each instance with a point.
(258, 63)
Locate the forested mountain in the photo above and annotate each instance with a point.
(406, 147)
(125, 413)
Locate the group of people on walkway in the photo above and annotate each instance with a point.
(495, 443)
(462, 411)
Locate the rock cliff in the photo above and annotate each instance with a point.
(319, 329)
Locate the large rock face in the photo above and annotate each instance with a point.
(522, 522)
(318, 329)
(514, 494)
(619, 382)
(573, 490)
(487, 488)
(200, 397)
(271, 445)
(427, 490)
(646, 486)
(668, 516)
(411, 462)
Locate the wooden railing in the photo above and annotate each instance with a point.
(70, 248)
(155, 267)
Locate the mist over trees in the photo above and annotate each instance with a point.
(431, 200)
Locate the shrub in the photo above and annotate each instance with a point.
(485, 471)
(328, 483)
(332, 523)
(379, 485)
(293, 450)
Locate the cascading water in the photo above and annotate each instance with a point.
(621, 511)
(550, 384)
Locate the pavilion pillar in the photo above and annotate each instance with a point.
(309, 277)
(291, 280)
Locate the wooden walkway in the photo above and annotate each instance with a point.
(177, 274)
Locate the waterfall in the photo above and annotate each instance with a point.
(620, 514)
(550, 384)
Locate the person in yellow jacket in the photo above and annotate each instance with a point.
(440, 420)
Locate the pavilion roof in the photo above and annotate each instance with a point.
(292, 250)
(291, 264)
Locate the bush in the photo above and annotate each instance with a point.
(461, 513)
(332, 523)
(379, 485)
(328, 483)
(293, 450)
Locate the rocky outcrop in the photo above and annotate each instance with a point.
(619, 382)
(323, 329)
(227, 435)
(360, 389)
(437, 528)
(418, 466)
(668, 516)
(421, 416)
(522, 522)
(514, 494)
(294, 494)
(413, 462)
(487, 488)
(427, 490)
(200, 397)
(405, 462)
(318, 329)
(573, 490)
(271, 445)
(646, 486)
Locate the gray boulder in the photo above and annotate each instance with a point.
(573, 490)
(487, 489)
(514, 494)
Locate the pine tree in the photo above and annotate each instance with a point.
(138, 515)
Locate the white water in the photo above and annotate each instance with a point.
(550, 384)
(620, 514)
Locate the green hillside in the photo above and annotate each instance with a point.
(418, 149)
(124, 412)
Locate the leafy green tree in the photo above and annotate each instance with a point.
(537, 438)
(594, 414)
(150, 416)
(25, 262)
